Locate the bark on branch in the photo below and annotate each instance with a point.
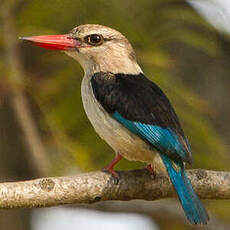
(98, 186)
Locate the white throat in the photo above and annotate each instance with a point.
(117, 65)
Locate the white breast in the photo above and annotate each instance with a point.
(115, 134)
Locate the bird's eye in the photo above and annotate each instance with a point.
(94, 39)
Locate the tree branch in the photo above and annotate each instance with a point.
(98, 186)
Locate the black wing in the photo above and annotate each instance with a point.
(138, 103)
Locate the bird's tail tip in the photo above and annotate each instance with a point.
(202, 220)
(193, 208)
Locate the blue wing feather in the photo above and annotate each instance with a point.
(162, 139)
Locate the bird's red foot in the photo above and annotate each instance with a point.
(111, 171)
(110, 166)
(150, 170)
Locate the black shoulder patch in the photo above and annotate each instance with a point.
(104, 87)
(135, 97)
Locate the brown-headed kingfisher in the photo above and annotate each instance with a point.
(127, 110)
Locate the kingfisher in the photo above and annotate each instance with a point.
(127, 110)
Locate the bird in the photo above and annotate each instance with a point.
(128, 110)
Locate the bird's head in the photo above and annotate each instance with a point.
(97, 48)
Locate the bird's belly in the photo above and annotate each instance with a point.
(115, 134)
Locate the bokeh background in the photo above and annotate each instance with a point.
(45, 132)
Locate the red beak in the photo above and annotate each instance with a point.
(54, 42)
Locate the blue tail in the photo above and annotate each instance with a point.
(190, 202)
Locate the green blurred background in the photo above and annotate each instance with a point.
(43, 127)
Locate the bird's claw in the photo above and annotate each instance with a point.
(110, 170)
(114, 174)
